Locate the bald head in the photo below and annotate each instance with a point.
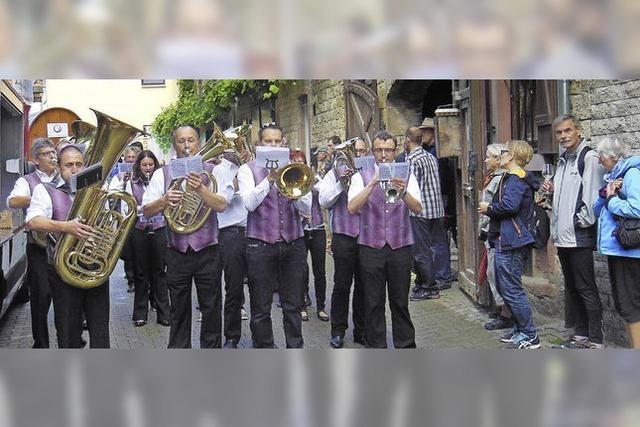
(413, 137)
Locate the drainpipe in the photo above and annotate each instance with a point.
(564, 103)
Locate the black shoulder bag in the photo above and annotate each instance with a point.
(628, 232)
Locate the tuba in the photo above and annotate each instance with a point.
(89, 263)
(192, 212)
(345, 153)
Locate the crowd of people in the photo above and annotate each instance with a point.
(381, 233)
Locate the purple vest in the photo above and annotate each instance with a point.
(276, 218)
(342, 222)
(316, 213)
(207, 235)
(383, 223)
(154, 223)
(61, 203)
(32, 179)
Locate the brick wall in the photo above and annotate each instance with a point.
(608, 108)
(327, 99)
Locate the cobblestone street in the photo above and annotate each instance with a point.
(452, 321)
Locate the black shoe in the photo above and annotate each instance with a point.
(499, 322)
(163, 322)
(441, 286)
(336, 342)
(230, 344)
(359, 339)
(138, 323)
(424, 294)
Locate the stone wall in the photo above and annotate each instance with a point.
(608, 108)
(328, 111)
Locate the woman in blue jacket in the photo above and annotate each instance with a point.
(620, 197)
(511, 235)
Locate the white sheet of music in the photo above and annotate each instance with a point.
(272, 157)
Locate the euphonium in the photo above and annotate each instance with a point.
(89, 263)
(192, 212)
(345, 153)
(240, 137)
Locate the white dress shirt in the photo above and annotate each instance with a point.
(252, 195)
(41, 203)
(155, 189)
(329, 190)
(357, 185)
(235, 213)
(21, 187)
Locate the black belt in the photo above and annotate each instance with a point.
(234, 228)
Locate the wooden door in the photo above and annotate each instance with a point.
(470, 98)
(363, 111)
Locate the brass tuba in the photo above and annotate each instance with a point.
(89, 263)
(345, 153)
(192, 212)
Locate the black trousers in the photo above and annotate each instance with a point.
(150, 277)
(69, 306)
(387, 270)
(346, 272)
(316, 242)
(127, 255)
(423, 260)
(40, 294)
(281, 263)
(582, 299)
(625, 290)
(233, 244)
(205, 269)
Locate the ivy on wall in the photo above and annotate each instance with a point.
(201, 102)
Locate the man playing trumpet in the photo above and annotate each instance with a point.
(385, 241)
(194, 256)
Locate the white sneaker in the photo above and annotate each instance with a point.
(243, 314)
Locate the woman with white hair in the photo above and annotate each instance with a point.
(620, 197)
(502, 319)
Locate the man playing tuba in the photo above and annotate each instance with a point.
(194, 256)
(50, 205)
(276, 250)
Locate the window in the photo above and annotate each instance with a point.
(153, 83)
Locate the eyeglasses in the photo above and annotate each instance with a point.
(50, 153)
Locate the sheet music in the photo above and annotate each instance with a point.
(385, 171)
(401, 171)
(364, 163)
(125, 167)
(194, 164)
(272, 157)
(178, 168)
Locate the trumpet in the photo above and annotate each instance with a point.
(391, 193)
